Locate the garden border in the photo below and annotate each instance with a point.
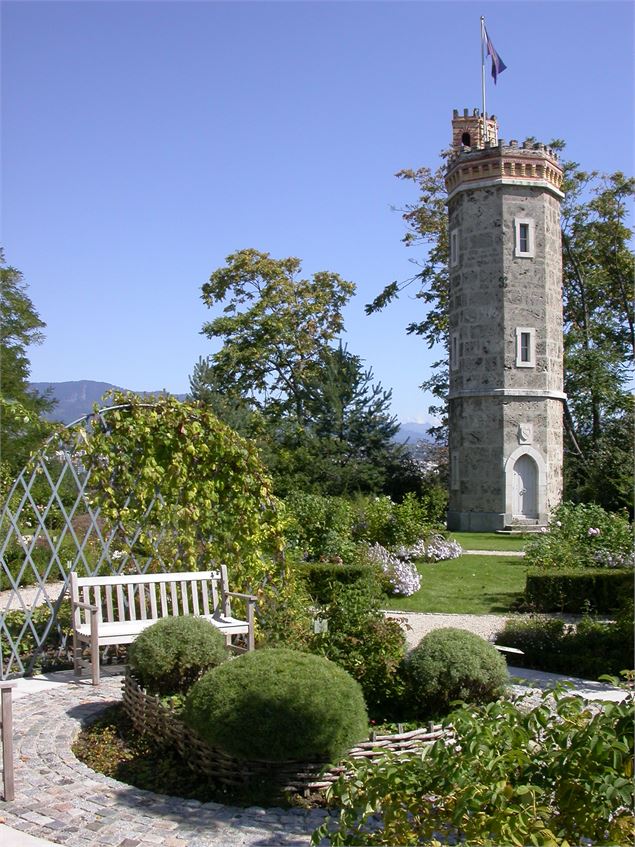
(150, 717)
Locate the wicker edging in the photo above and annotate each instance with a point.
(150, 717)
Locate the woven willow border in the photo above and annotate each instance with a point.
(150, 717)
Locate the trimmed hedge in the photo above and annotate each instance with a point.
(324, 580)
(575, 590)
(590, 650)
(277, 705)
(173, 653)
(453, 664)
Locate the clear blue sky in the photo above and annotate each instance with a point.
(142, 142)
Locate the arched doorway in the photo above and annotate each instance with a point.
(525, 487)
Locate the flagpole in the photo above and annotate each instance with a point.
(483, 113)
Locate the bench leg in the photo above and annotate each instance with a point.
(94, 659)
(94, 646)
(77, 655)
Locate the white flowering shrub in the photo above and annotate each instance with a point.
(435, 549)
(401, 575)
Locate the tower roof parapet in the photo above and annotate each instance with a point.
(530, 163)
(479, 157)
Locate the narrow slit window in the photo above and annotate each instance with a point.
(454, 248)
(525, 238)
(525, 347)
(454, 351)
(454, 471)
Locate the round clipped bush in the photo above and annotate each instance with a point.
(170, 655)
(453, 664)
(278, 705)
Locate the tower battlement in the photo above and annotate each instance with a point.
(527, 163)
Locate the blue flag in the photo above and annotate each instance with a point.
(498, 66)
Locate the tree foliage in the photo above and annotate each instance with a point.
(553, 775)
(21, 427)
(319, 420)
(180, 481)
(599, 335)
(274, 327)
(599, 318)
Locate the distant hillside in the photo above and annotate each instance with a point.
(76, 399)
(413, 432)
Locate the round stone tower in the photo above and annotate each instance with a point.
(505, 329)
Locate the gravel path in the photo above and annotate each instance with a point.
(418, 624)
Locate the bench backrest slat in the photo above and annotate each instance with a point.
(132, 612)
(174, 598)
(185, 605)
(195, 607)
(164, 600)
(129, 597)
(110, 615)
(121, 606)
(142, 602)
(100, 615)
(85, 614)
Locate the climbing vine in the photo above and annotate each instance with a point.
(180, 482)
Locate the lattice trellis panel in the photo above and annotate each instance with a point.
(50, 526)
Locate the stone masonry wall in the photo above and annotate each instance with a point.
(498, 409)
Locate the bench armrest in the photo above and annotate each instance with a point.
(90, 607)
(251, 597)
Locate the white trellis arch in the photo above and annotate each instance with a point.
(49, 527)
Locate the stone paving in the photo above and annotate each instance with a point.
(60, 799)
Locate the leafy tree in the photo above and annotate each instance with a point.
(274, 327)
(599, 319)
(318, 419)
(426, 224)
(21, 426)
(599, 335)
(180, 482)
(351, 425)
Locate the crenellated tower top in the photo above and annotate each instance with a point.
(469, 131)
(477, 162)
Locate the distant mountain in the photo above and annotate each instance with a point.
(76, 399)
(413, 432)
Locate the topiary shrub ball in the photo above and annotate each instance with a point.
(453, 664)
(170, 655)
(278, 705)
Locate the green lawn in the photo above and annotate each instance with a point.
(477, 585)
(490, 541)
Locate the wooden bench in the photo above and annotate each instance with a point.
(109, 610)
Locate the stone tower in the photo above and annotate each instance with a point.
(505, 329)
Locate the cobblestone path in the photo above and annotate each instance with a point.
(62, 800)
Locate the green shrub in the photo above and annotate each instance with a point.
(577, 590)
(453, 664)
(278, 705)
(170, 655)
(284, 615)
(583, 535)
(324, 580)
(319, 527)
(374, 520)
(541, 776)
(590, 650)
(366, 644)
(412, 521)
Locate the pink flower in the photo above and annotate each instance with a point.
(593, 531)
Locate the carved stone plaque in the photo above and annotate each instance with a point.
(525, 433)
